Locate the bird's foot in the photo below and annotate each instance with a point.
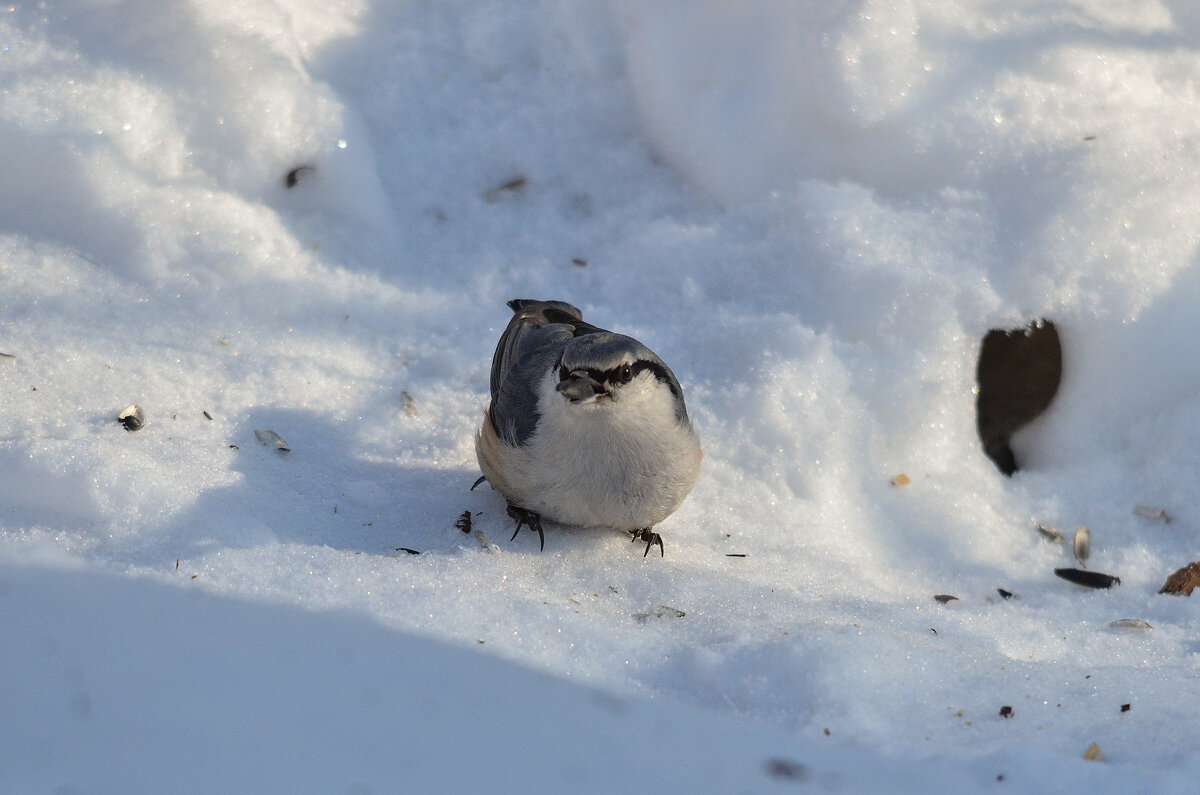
(651, 538)
(528, 518)
(476, 483)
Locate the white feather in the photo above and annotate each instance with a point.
(625, 462)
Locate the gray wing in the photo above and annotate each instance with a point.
(528, 348)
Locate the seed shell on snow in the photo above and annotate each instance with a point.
(786, 769)
(1130, 623)
(507, 188)
(945, 598)
(1088, 579)
(482, 538)
(663, 611)
(132, 417)
(408, 404)
(293, 177)
(1082, 544)
(272, 439)
(1049, 533)
(1151, 513)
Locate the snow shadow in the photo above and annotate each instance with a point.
(324, 491)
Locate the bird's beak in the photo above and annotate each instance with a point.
(580, 387)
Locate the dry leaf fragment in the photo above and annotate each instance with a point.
(464, 522)
(1094, 754)
(901, 480)
(1183, 581)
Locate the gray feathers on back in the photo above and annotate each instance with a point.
(537, 336)
(527, 349)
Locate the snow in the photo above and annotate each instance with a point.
(812, 211)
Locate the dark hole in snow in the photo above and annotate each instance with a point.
(1018, 375)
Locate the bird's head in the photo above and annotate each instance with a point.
(608, 368)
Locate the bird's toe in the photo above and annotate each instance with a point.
(651, 538)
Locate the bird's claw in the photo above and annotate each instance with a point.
(651, 538)
(526, 517)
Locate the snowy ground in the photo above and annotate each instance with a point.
(813, 211)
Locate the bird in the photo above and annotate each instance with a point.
(585, 427)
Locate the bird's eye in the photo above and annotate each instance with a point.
(563, 372)
(625, 374)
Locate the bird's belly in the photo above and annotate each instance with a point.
(598, 476)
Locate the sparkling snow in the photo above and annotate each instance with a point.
(813, 211)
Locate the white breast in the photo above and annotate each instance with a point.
(625, 463)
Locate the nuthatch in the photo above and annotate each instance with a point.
(585, 427)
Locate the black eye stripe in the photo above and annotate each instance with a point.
(622, 374)
(613, 376)
(625, 373)
(617, 375)
(600, 376)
